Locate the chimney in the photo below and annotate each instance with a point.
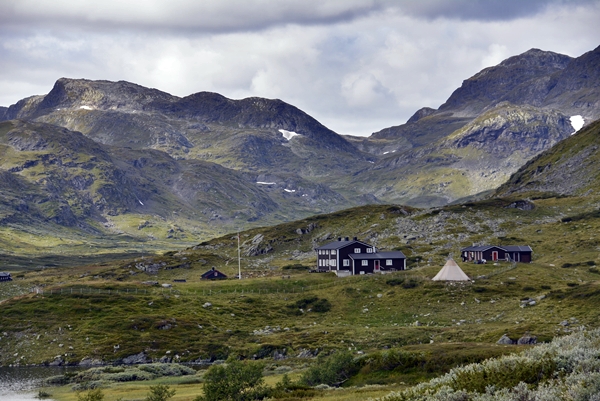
(347, 238)
(355, 238)
(339, 238)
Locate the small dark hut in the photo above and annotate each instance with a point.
(4, 276)
(213, 274)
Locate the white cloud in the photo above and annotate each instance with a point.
(356, 66)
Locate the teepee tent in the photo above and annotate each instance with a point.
(451, 272)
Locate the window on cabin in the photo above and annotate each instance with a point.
(356, 250)
(365, 263)
(346, 262)
(333, 262)
(333, 252)
(369, 250)
(388, 262)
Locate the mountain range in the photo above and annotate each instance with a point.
(115, 157)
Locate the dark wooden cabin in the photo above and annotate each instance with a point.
(213, 274)
(493, 253)
(4, 276)
(378, 262)
(357, 257)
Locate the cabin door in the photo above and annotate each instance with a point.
(495, 256)
(377, 268)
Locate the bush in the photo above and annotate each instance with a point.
(333, 370)
(235, 381)
(320, 305)
(395, 281)
(92, 395)
(593, 270)
(566, 265)
(167, 369)
(572, 284)
(527, 288)
(591, 263)
(296, 266)
(504, 373)
(410, 283)
(160, 392)
(546, 287)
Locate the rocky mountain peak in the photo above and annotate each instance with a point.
(538, 58)
(422, 112)
(531, 69)
(103, 95)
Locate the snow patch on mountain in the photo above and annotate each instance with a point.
(289, 190)
(265, 183)
(86, 107)
(288, 134)
(576, 122)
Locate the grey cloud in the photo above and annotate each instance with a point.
(483, 10)
(181, 15)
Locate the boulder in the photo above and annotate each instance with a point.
(136, 359)
(527, 340)
(505, 340)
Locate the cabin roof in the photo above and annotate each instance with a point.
(508, 248)
(378, 255)
(342, 244)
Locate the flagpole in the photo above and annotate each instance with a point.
(239, 258)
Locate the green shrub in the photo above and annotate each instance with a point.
(572, 284)
(528, 288)
(167, 369)
(546, 287)
(322, 305)
(160, 392)
(395, 281)
(315, 304)
(410, 283)
(92, 395)
(593, 270)
(566, 265)
(234, 381)
(332, 370)
(591, 263)
(43, 395)
(296, 266)
(504, 373)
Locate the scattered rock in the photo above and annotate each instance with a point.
(87, 361)
(136, 359)
(306, 353)
(207, 305)
(527, 340)
(505, 340)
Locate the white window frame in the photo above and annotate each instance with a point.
(389, 262)
(333, 252)
(333, 262)
(356, 250)
(369, 250)
(346, 262)
(364, 262)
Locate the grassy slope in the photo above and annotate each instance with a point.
(463, 321)
(119, 319)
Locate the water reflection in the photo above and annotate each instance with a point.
(20, 383)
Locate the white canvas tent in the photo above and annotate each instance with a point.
(451, 272)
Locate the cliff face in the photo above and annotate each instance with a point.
(569, 168)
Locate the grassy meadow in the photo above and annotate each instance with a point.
(110, 310)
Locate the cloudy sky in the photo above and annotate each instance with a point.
(355, 65)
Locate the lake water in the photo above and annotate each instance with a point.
(21, 383)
